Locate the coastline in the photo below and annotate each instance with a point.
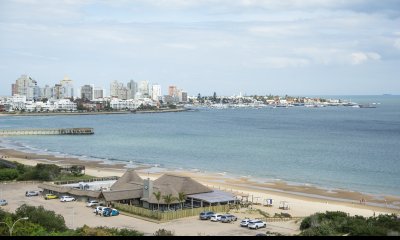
(303, 199)
(90, 113)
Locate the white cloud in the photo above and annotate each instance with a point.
(279, 62)
(397, 43)
(181, 46)
(361, 57)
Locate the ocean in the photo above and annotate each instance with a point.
(347, 148)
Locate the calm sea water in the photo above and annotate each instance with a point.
(334, 147)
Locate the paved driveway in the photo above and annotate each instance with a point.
(76, 214)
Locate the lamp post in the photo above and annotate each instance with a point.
(10, 229)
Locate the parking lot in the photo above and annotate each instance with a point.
(76, 214)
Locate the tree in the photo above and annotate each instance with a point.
(47, 219)
(198, 97)
(181, 198)
(215, 97)
(158, 197)
(168, 199)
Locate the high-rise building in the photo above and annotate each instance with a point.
(118, 90)
(156, 92)
(98, 93)
(172, 91)
(144, 88)
(87, 92)
(132, 89)
(26, 86)
(57, 91)
(67, 86)
(46, 92)
(14, 89)
(184, 97)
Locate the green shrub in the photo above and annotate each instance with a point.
(163, 232)
(47, 219)
(7, 174)
(340, 223)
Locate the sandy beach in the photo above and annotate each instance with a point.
(303, 200)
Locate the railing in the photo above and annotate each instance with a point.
(166, 216)
(50, 131)
(86, 180)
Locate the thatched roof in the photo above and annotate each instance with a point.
(54, 188)
(89, 193)
(180, 184)
(130, 180)
(122, 195)
(70, 190)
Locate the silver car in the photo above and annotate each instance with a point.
(3, 202)
(228, 218)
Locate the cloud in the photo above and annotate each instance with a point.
(361, 57)
(278, 62)
(181, 46)
(397, 43)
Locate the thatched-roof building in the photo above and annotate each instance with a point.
(132, 189)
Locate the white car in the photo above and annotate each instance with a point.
(98, 210)
(92, 203)
(67, 199)
(216, 217)
(256, 224)
(245, 222)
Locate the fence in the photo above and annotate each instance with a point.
(86, 180)
(285, 219)
(166, 216)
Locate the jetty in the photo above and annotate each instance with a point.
(47, 131)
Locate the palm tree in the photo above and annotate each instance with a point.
(158, 197)
(168, 199)
(181, 198)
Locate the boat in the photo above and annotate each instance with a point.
(366, 106)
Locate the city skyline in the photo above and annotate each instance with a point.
(249, 46)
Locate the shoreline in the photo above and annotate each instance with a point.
(306, 199)
(91, 113)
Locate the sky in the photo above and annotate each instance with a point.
(309, 47)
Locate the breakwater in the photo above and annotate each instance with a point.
(44, 131)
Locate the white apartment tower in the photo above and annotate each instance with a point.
(144, 88)
(118, 90)
(156, 92)
(67, 88)
(26, 86)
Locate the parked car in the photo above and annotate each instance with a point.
(216, 217)
(206, 215)
(92, 203)
(256, 224)
(32, 193)
(228, 218)
(98, 210)
(67, 199)
(245, 222)
(107, 212)
(50, 196)
(3, 202)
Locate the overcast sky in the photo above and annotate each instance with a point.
(226, 46)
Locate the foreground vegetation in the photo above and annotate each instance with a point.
(42, 222)
(340, 223)
(40, 172)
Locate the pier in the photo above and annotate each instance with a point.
(51, 131)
